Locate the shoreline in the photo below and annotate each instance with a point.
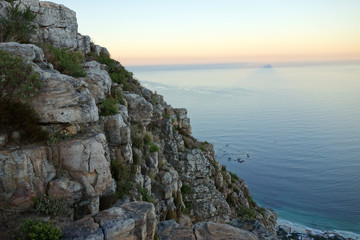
(298, 228)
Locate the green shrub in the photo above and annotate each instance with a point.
(65, 61)
(146, 195)
(123, 175)
(110, 106)
(185, 189)
(55, 138)
(17, 24)
(154, 148)
(251, 201)
(234, 177)
(246, 213)
(50, 205)
(38, 230)
(17, 79)
(119, 96)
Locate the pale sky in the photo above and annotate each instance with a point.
(144, 32)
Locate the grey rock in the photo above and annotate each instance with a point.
(183, 120)
(215, 231)
(98, 80)
(63, 99)
(24, 51)
(29, 166)
(64, 188)
(139, 109)
(84, 43)
(171, 230)
(135, 220)
(83, 229)
(117, 131)
(86, 160)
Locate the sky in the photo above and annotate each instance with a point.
(143, 32)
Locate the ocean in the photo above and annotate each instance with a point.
(292, 132)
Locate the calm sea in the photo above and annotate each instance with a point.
(291, 132)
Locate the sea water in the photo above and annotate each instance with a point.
(291, 132)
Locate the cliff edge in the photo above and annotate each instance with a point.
(119, 157)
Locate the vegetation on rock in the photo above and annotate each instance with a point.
(17, 24)
(18, 83)
(38, 230)
(65, 61)
(50, 205)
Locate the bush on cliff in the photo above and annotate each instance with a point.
(38, 230)
(18, 83)
(17, 24)
(65, 61)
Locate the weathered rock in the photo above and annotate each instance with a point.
(171, 230)
(27, 52)
(208, 203)
(63, 188)
(86, 160)
(25, 171)
(83, 229)
(84, 43)
(117, 130)
(23, 197)
(57, 25)
(135, 220)
(139, 109)
(98, 80)
(3, 139)
(98, 50)
(183, 120)
(214, 231)
(63, 99)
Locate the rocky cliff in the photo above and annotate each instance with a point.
(135, 173)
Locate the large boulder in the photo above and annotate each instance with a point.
(140, 110)
(172, 230)
(86, 159)
(57, 25)
(63, 99)
(135, 220)
(117, 131)
(215, 231)
(24, 174)
(98, 79)
(83, 229)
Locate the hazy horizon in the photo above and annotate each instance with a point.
(189, 32)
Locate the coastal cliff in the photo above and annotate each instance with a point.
(119, 157)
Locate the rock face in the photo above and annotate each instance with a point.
(87, 161)
(24, 174)
(215, 231)
(144, 152)
(131, 221)
(207, 202)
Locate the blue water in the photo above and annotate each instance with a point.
(299, 126)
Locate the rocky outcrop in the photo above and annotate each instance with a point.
(145, 151)
(216, 231)
(24, 174)
(207, 202)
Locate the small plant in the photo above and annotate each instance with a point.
(50, 205)
(246, 213)
(38, 230)
(17, 24)
(119, 96)
(154, 98)
(123, 175)
(261, 211)
(146, 195)
(251, 201)
(185, 189)
(154, 148)
(234, 177)
(110, 106)
(55, 138)
(66, 61)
